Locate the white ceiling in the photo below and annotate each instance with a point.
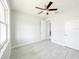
(28, 6)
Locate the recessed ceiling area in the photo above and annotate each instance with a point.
(28, 6)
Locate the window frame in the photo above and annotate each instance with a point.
(5, 22)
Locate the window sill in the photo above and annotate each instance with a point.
(3, 48)
(3, 44)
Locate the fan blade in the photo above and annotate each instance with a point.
(50, 3)
(40, 8)
(53, 9)
(40, 12)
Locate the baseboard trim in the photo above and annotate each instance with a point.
(20, 45)
(70, 47)
(58, 43)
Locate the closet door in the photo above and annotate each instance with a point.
(58, 30)
(43, 29)
(72, 33)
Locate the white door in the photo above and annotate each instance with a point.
(72, 33)
(43, 29)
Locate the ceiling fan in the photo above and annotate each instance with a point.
(47, 8)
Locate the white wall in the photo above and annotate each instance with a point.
(25, 28)
(65, 28)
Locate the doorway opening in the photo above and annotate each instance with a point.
(49, 30)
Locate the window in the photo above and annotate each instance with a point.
(3, 24)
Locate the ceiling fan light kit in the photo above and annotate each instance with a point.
(47, 8)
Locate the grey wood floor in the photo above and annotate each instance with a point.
(44, 50)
